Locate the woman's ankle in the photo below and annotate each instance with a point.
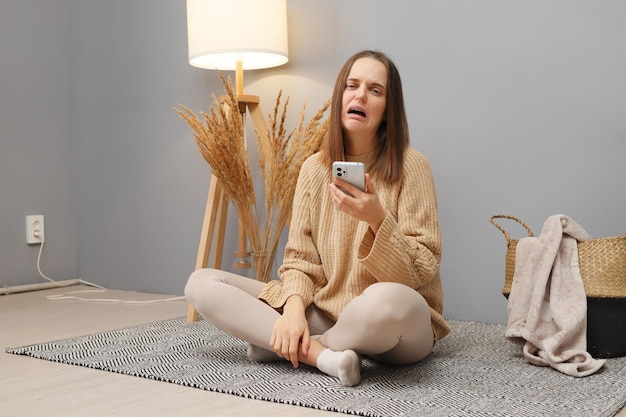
(315, 348)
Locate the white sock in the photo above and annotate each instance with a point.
(344, 364)
(259, 354)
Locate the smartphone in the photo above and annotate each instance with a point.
(351, 172)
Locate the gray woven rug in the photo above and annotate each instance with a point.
(472, 372)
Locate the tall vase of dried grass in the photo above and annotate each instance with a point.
(263, 265)
(219, 136)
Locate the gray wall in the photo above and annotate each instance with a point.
(37, 174)
(518, 105)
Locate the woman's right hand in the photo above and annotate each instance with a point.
(291, 331)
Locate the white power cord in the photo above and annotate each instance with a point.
(68, 296)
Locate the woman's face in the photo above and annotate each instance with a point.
(364, 98)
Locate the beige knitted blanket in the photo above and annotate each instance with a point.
(547, 305)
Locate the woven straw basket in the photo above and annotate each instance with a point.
(602, 262)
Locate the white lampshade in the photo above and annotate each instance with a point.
(222, 32)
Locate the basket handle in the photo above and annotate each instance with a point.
(506, 234)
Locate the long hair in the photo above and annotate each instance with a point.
(393, 133)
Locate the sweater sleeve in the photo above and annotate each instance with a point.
(301, 272)
(407, 249)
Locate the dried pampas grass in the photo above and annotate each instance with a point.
(220, 139)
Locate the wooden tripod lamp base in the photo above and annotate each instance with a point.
(216, 211)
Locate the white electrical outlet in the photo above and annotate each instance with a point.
(34, 229)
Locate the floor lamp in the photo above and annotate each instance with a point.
(233, 35)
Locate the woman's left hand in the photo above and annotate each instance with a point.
(364, 206)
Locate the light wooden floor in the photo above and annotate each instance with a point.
(33, 387)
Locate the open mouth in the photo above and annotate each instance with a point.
(357, 111)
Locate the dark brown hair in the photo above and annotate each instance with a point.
(393, 133)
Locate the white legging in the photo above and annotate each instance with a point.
(388, 321)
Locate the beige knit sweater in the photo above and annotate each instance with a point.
(330, 257)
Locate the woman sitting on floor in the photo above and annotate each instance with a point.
(360, 275)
